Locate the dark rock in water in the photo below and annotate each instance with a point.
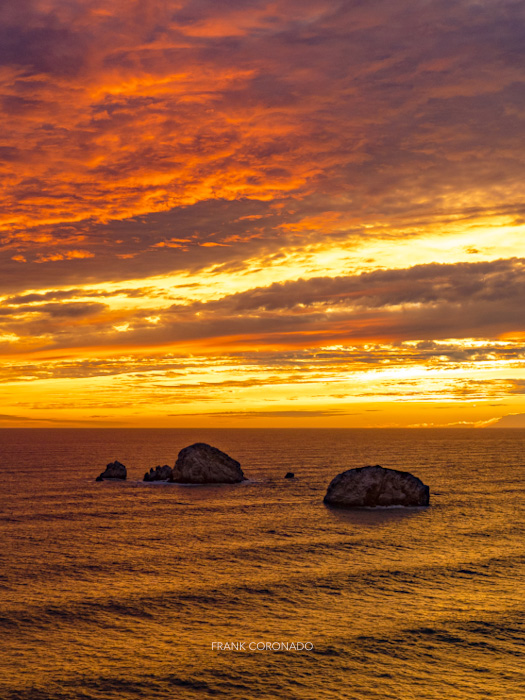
(376, 486)
(114, 470)
(158, 474)
(203, 464)
(289, 475)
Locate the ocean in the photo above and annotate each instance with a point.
(125, 590)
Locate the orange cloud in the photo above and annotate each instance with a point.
(67, 255)
(201, 151)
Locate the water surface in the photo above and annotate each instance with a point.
(118, 590)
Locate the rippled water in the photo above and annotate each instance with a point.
(118, 590)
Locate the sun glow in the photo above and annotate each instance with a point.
(257, 218)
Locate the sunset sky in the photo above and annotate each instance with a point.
(234, 213)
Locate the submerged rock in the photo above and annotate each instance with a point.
(158, 474)
(202, 464)
(376, 486)
(114, 470)
(289, 475)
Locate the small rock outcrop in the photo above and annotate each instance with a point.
(376, 486)
(202, 464)
(114, 470)
(289, 475)
(158, 474)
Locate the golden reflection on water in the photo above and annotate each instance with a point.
(117, 590)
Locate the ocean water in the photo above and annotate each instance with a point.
(117, 591)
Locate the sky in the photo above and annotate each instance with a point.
(222, 213)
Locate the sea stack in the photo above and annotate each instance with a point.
(376, 486)
(114, 470)
(158, 474)
(202, 464)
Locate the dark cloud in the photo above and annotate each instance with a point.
(55, 310)
(9, 417)
(61, 294)
(248, 227)
(462, 300)
(422, 284)
(53, 50)
(306, 413)
(37, 296)
(517, 386)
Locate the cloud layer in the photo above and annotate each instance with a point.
(189, 178)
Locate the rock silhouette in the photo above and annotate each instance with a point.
(114, 470)
(289, 475)
(158, 474)
(202, 464)
(376, 486)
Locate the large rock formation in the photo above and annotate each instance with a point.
(114, 470)
(376, 486)
(158, 474)
(203, 464)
